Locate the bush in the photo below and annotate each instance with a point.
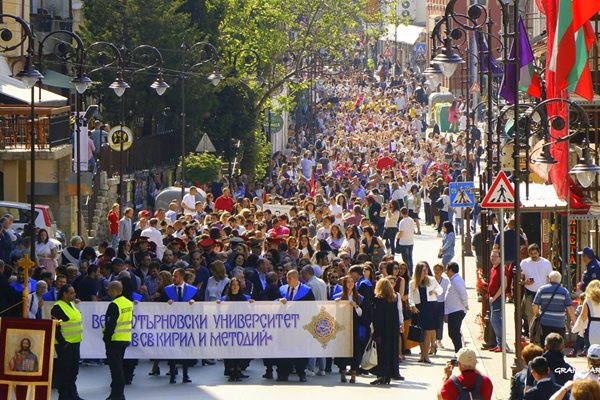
(202, 167)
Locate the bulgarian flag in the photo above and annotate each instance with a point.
(573, 40)
(529, 81)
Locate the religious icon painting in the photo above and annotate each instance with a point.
(26, 358)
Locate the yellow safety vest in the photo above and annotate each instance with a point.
(122, 331)
(72, 330)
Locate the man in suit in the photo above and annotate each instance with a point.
(293, 291)
(269, 294)
(258, 277)
(333, 287)
(545, 387)
(179, 291)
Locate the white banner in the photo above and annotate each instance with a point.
(82, 141)
(227, 330)
(277, 209)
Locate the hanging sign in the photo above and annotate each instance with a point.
(118, 134)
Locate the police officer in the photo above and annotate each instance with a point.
(179, 291)
(69, 334)
(117, 335)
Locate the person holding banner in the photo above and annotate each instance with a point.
(293, 291)
(179, 291)
(233, 366)
(68, 337)
(360, 329)
(116, 337)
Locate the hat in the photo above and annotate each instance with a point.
(236, 239)
(588, 251)
(594, 352)
(208, 242)
(468, 358)
(144, 213)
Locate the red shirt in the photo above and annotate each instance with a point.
(384, 162)
(113, 223)
(494, 284)
(467, 379)
(224, 204)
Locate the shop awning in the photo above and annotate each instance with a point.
(56, 79)
(541, 197)
(15, 90)
(408, 34)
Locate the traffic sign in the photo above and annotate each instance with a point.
(387, 53)
(501, 194)
(205, 145)
(461, 194)
(120, 137)
(420, 48)
(475, 88)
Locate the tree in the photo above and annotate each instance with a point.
(202, 167)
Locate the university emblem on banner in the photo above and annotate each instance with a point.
(323, 327)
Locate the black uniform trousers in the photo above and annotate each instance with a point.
(115, 353)
(284, 367)
(67, 366)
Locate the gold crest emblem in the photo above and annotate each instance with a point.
(323, 327)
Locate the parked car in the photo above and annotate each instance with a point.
(174, 193)
(21, 213)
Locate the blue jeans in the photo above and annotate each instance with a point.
(406, 251)
(446, 258)
(312, 362)
(458, 226)
(114, 241)
(496, 315)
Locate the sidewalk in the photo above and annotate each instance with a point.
(490, 363)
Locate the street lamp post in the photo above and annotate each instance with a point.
(207, 53)
(29, 76)
(81, 83)
(147, 58)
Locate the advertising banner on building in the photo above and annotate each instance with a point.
(228, 330)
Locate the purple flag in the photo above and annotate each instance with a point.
(507, 89)
(482, 48)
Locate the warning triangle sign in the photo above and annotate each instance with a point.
(387, 53)
(501, 194)
(205, 145)
(475, 88)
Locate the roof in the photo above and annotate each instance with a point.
(540, 197)
(403, 33)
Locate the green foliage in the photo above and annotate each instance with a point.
(202, 167)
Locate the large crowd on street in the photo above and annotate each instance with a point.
(359, 185)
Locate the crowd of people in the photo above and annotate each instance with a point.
(357, 191)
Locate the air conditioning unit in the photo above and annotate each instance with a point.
(408, 9)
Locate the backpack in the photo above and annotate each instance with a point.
(466, 394)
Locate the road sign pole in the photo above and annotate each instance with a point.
(502, 293)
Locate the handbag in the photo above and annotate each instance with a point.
(369, 357)
(535, 327)
(415, 332)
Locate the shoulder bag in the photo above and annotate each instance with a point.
(535, 327)
(369, 357)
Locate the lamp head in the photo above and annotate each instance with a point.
(215, 78)
(448, 60)
(586, 169)
(119, 85)
(29, 76)
(160, 85)
(81, 83)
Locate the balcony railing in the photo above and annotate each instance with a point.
(51, 125)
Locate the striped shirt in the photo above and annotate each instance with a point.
(555, 311)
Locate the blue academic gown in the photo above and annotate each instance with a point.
(337, 290)
(19, 286)
(224, 298)
(188, 292)
(304, 293)
(50, 295)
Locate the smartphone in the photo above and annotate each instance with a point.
(454, 362)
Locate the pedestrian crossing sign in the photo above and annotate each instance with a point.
(461, 194)
(501, 193)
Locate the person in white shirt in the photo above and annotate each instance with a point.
(456, 304)
(406, 238)
(171, 214)
(188, 203)
(535, 271)
(336, 211)
(319, 289)
(154, 235)
(325, 230)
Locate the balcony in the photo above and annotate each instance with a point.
(51, 125)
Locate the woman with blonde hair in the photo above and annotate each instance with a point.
(387, 326)
(217, 282)
(424, 290)
(590, 315)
